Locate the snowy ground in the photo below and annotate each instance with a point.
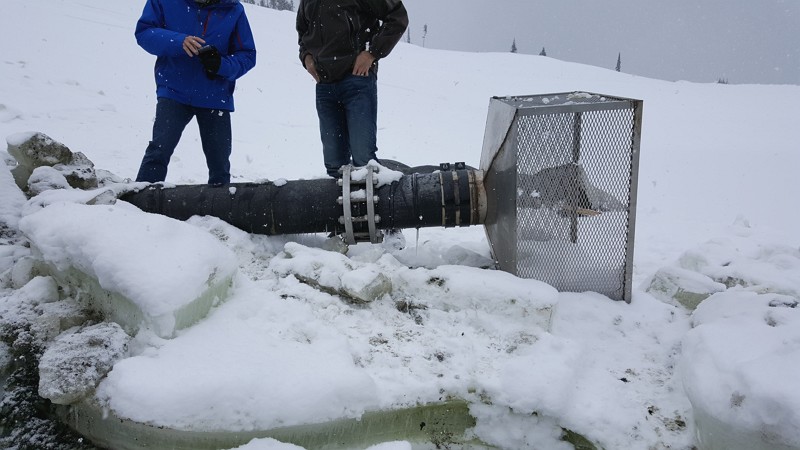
(716, 213)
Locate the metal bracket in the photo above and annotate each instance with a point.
(373, 237)
(350, 237)
(446, 167)
(346, 208)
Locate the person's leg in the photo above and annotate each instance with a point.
(332, 128)
(215, 134)
(360, 98)
(171, 119)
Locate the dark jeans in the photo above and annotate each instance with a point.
(348, 121)
(171, 119)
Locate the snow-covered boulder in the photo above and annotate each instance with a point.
(724, 264)
(79, 171)
(22, 307)
(17, 267)
(73, 364)
(333, 272)
(45, 178)
(34, 149)
(676, 285)
(56, 317)
(738, 263)
(5, 361)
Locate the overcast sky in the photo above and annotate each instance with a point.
(743, 41)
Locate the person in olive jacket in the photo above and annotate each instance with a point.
(202, 48)
(341, 42)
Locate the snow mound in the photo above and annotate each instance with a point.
(136, 269)
(740, 366)
(739, 360)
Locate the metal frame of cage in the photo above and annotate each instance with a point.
(563, 170)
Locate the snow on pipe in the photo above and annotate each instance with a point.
(355, 209)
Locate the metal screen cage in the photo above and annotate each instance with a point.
(560, 176)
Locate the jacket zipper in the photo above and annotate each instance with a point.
(205, 25)
(354, 32)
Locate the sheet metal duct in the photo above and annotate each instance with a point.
(562, 172)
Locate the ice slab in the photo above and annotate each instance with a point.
(333, 272)
(322, 359)
(739, 368)
(137, 269)
(11, 200)
(440, 425)
(714, 434)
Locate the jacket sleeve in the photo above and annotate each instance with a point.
(242, 51)
(153, 37)
(302, 28)
(394, 18)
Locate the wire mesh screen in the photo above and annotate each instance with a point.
(575, 178)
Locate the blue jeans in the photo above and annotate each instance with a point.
(171, 119)
(348, 121)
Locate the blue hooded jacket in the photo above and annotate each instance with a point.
(166, 23)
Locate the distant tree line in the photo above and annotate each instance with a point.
(280, 5)
(618, 67)
(424, 34)
(514, 48)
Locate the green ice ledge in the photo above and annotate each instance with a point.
(439, 425)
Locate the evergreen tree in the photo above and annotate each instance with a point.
(424, 34)
(281, 5)
(619, 61)
(514, 46)
(542, 53)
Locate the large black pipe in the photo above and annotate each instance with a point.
(446, 198)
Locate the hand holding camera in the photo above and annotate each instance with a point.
(211, 59)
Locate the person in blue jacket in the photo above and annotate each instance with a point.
(202, 48)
